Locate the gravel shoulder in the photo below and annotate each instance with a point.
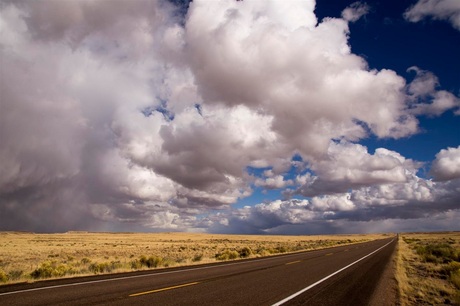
(386, 292)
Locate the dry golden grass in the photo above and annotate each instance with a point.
(28, 256)
(428, 268)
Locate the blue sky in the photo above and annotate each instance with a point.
(268, 117)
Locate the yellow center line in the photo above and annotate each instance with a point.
(293, 262)
(329, 254)
(164, 289)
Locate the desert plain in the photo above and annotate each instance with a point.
(31, 256)
(426, 266)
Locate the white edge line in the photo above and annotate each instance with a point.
(327, 277)
(143, 275)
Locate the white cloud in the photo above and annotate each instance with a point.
(293, 82)
(348, 165)
(355, 11)
(446, 166)
(275, 182)
(135, 181)
(424, 88)
(333, 203)
(68, 86)
(396, 194)
(122, 116)
(436, 9)
(352, 163)
(379, 208)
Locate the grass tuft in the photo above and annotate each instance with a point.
(149, 262)
(3, 276)
(227, 255)
(104, 267)
(197, 257)
(455, 278)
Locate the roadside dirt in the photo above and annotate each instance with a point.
(386, 292)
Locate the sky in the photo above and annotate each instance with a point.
(249, 117)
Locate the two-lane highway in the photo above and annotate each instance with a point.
(344, 275)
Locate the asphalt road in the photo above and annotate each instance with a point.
(345, 275)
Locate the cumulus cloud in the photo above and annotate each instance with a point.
(386, 207)
(348, 165)
(446, 166)
(131, 116)
(355, 11)
(436, 9)
(290, 83)
(424, 88)
(275, 182)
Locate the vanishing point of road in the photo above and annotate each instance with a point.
(344, 275)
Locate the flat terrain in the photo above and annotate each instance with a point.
(30, 257)
(344, 275)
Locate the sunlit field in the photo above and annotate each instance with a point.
(30, 257)
(428, 268)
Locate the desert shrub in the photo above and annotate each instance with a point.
(136, 264)
(197, 257)
(179, 260)
(437, 252)
(62, 270)
(116, 264)
(149, 262)
(3, 276)
(166, 262)
(227, 255)
(410, 240)
(85, 260)
(15, 274)
(51, 269)
(245, 252)
(455, 278)
(262, 251)
(280, 249)
(44, 271)
(452, 271)
(451, 267)
(99, 267)
(104, 267)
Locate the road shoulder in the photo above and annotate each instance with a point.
(386, 292)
